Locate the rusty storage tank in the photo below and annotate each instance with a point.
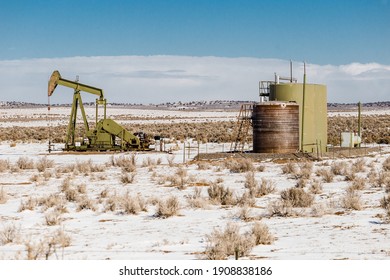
(275, 127)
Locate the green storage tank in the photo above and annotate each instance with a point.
(312, 109)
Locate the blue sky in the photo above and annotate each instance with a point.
(183, 50)
(323, 32)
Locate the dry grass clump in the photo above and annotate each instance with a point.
(379, 179)
(29, 204)
(168, 208)
(262, 235)
(326, 175)
(239, 165)
(290, 168)
(385, 204)
(127, 177)
(386, 164)
(85, 203)
(149, 162)
(338, 167)
(359, 165)
(203, 165)
(315, 187)
(53, 218)
(280, 208)
(258, 190)
(351, 200)
(4, 165)
(132, 205)
(44, 163)
(9, 234)
(221, 244)
(297, 197)
(25, 163)
(358, 183)
(229, 242)
(52, 200)
(196, 200)
(128, 163)
(218, 194)
(3, 196)
(45, 248)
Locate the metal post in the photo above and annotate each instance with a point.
(359, 122)
(184, 152)
(303, 104)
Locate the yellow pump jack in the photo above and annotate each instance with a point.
(108, 135)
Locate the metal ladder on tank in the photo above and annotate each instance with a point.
(244, 122)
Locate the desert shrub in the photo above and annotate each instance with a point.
(53, 218)
(61, 238)
(351, 200)
(127, 177)
(112, 203)
(350, 175)
(128, 163)
(9, 234)
(247, 199)
(82, 188)
(379, 179)
(65, 185)
(244, 214)
(229, 242)
(239, 165)
(258, 190)
(148, 162)
(47, 246)
(25, 163)
(4, 165)
(3, 196)
(182, 178)
(338, 167)
(290, 168)
(326, 174)
(315, 187)
(260, 168)
(266, 187)
(71, 195)
(359, 165)
(167, 208)
(29, 204)
(250, 181)
(51, 200)
(305, 170)
(262, 235)
(358, 183)
(171, 160)
(85, 203)
(297, 197)
(133, 204)
(386, 164)
(196, 200)
(280, 208)
(44, 163)
(219, 194)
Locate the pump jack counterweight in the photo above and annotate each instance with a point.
(107, 134)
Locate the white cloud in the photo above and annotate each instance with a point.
(156, 79)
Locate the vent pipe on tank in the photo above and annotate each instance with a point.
(303, 104)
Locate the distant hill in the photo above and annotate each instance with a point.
(194, 105)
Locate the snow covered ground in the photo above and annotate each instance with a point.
(326, 230)
(98, 206)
